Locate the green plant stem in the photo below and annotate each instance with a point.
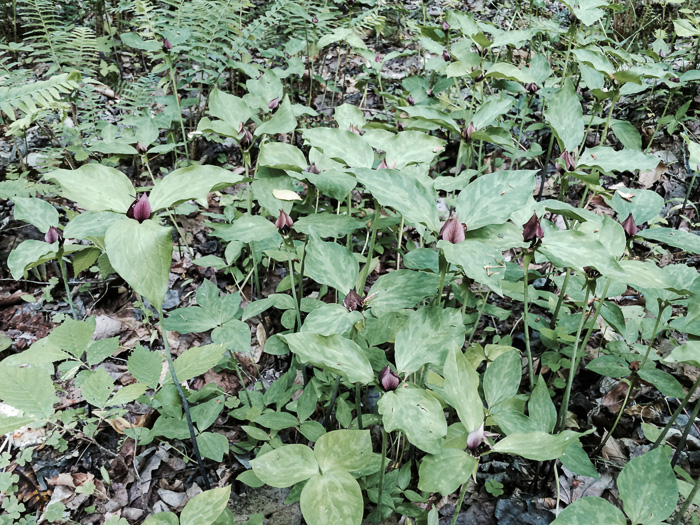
(688, 501)
(398, 249)
(656, 128)
(358, 404)
(381, 476)
(478, 319)
(662, 307)
(331, 404)
(173, 80)
(460, 499)
(293, 285)
(185, 404)
(596, 313)
(64, 278)
(686, 431)
(685, 199)
(560, 300)
(675, 415)
(443, 272)
(617, 419)
(365, 269)
(572, 371)
(527, 258)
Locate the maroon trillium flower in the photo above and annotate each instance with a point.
(445, 26)
(245, 137)
(453, 230)
(410, 100)
(531, 88)
(630, 226)
(141, 148)
(284, 222)
(314, 20)
(167, 46)
(274, 103)
(470, 129)
(353, 301)
(53, 235)
(476, 438)
(388, 379)
(569, 161)
(446, 56)
(313, 169)
(140, 209)
(532, 230)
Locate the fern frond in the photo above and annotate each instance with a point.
(31, 98)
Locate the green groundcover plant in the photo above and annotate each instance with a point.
(450, 260)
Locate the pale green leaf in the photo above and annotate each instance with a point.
(343, 449)
(333, 498)
(190, 183)
(205, 508)
(141, 254)
(285, 466)
(95, 187)
(197, 360)
(36, 212)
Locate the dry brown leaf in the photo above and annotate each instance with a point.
(648, 178)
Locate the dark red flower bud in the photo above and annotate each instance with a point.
(479, 77)
(141, 148)
(313, 169)
(410, 100)
(314, 20)
(274, 103)
(353, 301)
(476, 438)
(532, 230)
(675, 79)
(284, 222)
(399, 125)
(377, 59)
(53, 235)
(467, 132)
(388, 379)
(445, 26)
(140, 209)
(446, 56)
(569, 161)
(630, 226)
(383, 165)
(453, 230)
(167, 46)
(531, 88)
(245, 137)
(429, 92)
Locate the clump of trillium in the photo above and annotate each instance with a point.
(140, 209)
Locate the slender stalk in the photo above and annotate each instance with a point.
(574, 362)
(358, 404)
(686, 431)
(662, 307)
(381, 476)
(617, 419)
(64, 278)
(675, 415)
(443, 272)
(293, 285)
(688, 502)
(685, 199)
(656, 128)
(365, 269)
(331, 404)
(173, 80)
(185, 404)
(462, 492)
(478, 319)
(398, 249)
(527, 258)
(560, 300)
